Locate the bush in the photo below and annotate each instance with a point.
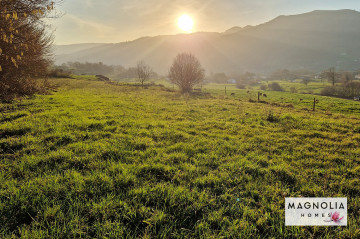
(240, 86)
(271, 117)
(102, 78)
(275, 86)
(263, 87)
(25, 46)
(329, 91)
(351, 89)
(10, 89)
(59, 73)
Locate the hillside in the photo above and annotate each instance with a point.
(71, 49)
(314, 41)
(96, 160)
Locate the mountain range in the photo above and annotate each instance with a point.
(313, 41)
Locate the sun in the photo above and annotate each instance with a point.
(186, 23)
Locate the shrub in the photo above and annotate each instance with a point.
(24, 46)
(240, 85)
(263, 87)
(351, 89)
(275, 86)
(102, 78)
(329, 91)
(59, 73)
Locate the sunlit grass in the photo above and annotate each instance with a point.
(99, 160)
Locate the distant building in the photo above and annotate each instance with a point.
(357, 77)
(232, 81)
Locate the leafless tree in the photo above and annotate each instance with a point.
(143, 71)
(347, 77)
(186, 72)
(331, 75)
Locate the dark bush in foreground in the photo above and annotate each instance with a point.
(10, 89)
(24, 46)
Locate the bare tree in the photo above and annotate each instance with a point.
(331, 75)
(186, 72)
(347, 77)
(306, 80)
(143, 71)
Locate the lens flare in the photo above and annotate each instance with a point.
(186, 23)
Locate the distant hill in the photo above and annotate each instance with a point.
(71, 49)
(314, 41)
(236, 29)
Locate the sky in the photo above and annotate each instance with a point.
(113, 21)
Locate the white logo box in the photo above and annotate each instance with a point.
(315, 211)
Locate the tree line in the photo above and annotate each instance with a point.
(99, 68)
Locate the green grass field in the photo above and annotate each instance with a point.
(326, 105)
(95, 160)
